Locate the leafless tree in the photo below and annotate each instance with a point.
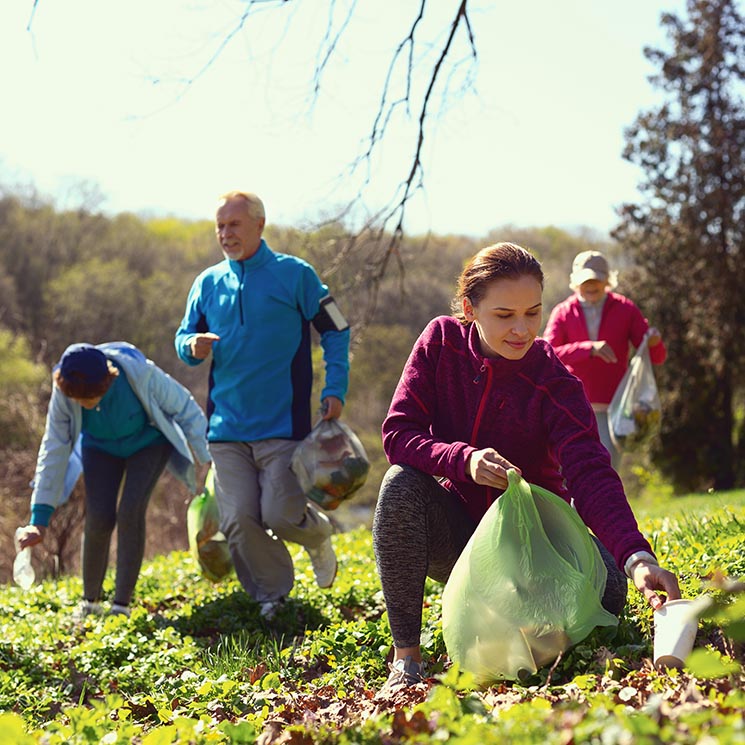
(423, 65)
(380, 236)
(402, 63)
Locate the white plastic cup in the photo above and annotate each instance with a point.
(675, 626)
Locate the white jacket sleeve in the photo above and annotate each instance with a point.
(60, 434)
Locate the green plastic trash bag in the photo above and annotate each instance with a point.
(207, 544)
(527, 586)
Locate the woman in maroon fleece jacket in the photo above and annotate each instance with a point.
(481, 394)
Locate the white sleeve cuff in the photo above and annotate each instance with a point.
(635, 558)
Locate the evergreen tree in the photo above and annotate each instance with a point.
(686, 236)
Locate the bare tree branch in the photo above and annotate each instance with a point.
(377, 227)
(31, 17)
(250, 9)
(327, 48)
(416, 166)
(375, 237)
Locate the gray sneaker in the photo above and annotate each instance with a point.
(323, 560)
(117, 609)
(405, 673)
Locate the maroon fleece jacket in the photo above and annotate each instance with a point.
(452, 401)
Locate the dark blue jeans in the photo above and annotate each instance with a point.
(105, 475)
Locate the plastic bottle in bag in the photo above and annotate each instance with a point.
(23, 571)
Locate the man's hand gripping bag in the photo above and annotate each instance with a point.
(527, 586)
(330, 463)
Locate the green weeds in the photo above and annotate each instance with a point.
(196, 664)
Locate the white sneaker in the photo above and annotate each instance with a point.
(269, 608)
(86, 608)
(324, 563)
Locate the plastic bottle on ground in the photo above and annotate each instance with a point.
(23, 571)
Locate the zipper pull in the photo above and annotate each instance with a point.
(478, 377)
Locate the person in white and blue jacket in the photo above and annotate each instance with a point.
(120, 419)
(253, 312)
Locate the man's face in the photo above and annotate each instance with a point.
(238, 234)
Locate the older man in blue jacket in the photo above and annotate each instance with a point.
(253, 312)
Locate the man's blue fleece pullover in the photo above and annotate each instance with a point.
(261, 375)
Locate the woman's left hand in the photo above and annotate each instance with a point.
(203, 470)
(649, 578)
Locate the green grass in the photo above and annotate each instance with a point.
(196, 664)
(711, 503)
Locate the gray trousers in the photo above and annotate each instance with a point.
(604, 431)
(256, 493)
(419, 531)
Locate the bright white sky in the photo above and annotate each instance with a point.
(95, 93)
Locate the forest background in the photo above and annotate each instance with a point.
(68, 276)
(76, 274)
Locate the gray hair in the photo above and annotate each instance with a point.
(254, 205)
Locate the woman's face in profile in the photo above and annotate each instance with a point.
(508, 317)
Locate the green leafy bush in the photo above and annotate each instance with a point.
(20, 381)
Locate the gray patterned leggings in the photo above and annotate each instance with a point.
(419, 530)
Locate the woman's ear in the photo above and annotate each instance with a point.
(467, 309)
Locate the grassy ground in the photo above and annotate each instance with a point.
(195, 664)
(715, 502)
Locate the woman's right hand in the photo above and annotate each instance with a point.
(649, 578)
(30, 535)
(488, 468)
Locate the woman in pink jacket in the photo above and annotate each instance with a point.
(592, 333)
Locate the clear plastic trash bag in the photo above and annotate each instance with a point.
(527, 586)
(207, 544)
(634, 410)
(330, 463)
